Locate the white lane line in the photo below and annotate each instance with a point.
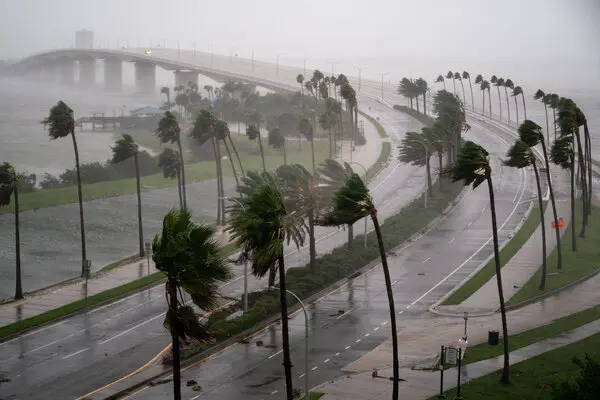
(132, 328)
(326, 361)
(74, 354)
(400, 312)
(274, 354)
(376, 329)
(484, 208)
(300, 376)
(469, 224)
(452, 240)
(337, 354)
(384, 322)
(314, 368)
(367, 334)
(274, 392)
(427, 259)
(357, 341)
(393, 283)
(347, 347)
(342, 315)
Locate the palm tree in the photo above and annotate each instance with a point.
(414, 149)
(328, 121)
(406, 88)
(300, 80)
(306, 128)
(479, 80)
(473, 168)
(553, 103)
(466, 75)
(350, 203)
(169, 131)
(253, 133)
(519, 156)
(508, 84)
(450, 75)
(441, 79)
(167, 92)
(222, 133)
(519, 91)
(495, 81)
(60, 125)
(459, 77)
(422, 88)
(191, 259)
(562, 154)
(545, 100)
(260, 224)
(532, 134)
(125, 148)
(277, 140)
(9, 186)
(500, 83)
(170, 163)
(485, 85)
(209, 91)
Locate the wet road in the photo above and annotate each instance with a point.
(110, 342)
(354, 319)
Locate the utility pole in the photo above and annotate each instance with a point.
(382, 76)
(359, 76)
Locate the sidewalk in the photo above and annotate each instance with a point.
(425, 384)
(421, 342)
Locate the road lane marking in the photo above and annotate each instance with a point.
(367, 334)
(376, 329)
(452, 240)
(347, 347)
(274, 392)
(342, 315)
(74, 354)
(314, 368)
(400, 312)
(130, 329)
(357, 341)
(274, 354)
(384, 322)
(300, 376)
(337, 354)
(469, 224)
(427, 259)
(326, 361)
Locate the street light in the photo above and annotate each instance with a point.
(359, 76)
(426, 146)
(148, 247)
(87, 266)
(245, 300)
(466, 317)
(382, 75)
(306, 393)
(366, 184)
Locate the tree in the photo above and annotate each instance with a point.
(350, 203)
(414, 149)
(450, 75)
(473, 168)
(554, 101)
(504, 83)
(125, 147)
(583, 387)
(300, 80)
(61, 124)
(306, 128)
(422, 88)
(508, 84)
(9, 186)
(519, 91)
(328, 121)
(221, 134)
(260, 224)
(167, 92)
(545, 100)
(332, 176)
(562, 154)
(407, 89)
(170, 163)
(459, 77)
(276, 139)
(520, 156)
(496, 82)
(441, 79)
(169, 131)
(466, 75)
(191, 259)
(209, 90)
(485, 85)
(531, 133)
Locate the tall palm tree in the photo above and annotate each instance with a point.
(519, 91)
(61, 124)
(350, 203)
(473, 168)
(459, 77)
(450, 75)
(300, 80)
(508, 84)
(441, 79)
(125, 148)
(167, 92)
(260, 224)
(209, 90)
(553, 103)
(414, 149)
(562, 154)
(500, 83)
(191, 259)
(253, 133)
(466, 75)
(306, 128)
(222, 133)
(169, 131)
(9, 186)
(485, 85)
(422, 88)
(532, 134)
(494, 80)
(545, 100)
(170, 163)
(479, 81)
(520, 156)
(277, 140)
(406, 88)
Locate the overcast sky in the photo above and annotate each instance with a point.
(517, 34)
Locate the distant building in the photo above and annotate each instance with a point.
(84, 39)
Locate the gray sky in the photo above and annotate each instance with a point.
(514, 34)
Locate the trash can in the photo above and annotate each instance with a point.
(493, 338)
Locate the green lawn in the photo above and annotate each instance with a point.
(386, 151)
(507, 252)
(372, 120)
(531, 379)
(576, 265)
(194, 173)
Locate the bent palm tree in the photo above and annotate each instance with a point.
(473, 168)
(466, 75)
(544, 99)
(167, 92)
(60, 125)
(350, 203)
(520, 156)
(508, 84)
(459, 77)
(222, 133)
(441, 79)
(562, 154)
(170, 163)
(126, 148)
(9, 186)
(253, 133)
(169, 131)
(485, 85)
(277, 140)
(496, 82)
(260, 224)
(306, 128)
(450, 75)
(332, 175)
(191, 259)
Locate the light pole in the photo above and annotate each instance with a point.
(306, 393)
(465, 317)
(332, 64)
(366, 184)
(148, 247)
(426, 146)
(87, 267)
(245, 300)
(278, 54)
(305, 67)
(382, 75)
(359, 76)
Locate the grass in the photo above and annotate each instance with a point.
(92, 301)
(372, 120)
(483, 351)
(506, 253)
(531, 379)
(195, 172)
(386, 151)
(424, 119)
(315, 395)
(575, 265)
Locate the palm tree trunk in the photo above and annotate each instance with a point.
(483, 106)
(543, 225)
(284, 151)
(454, 84)
(182, 174)
(330, 143)
(507, 103)
(350, 236)
(138, 187)
(19, 284)
(490, 102)
(390, 296)
(287, 362)
(424, 104)
(547, 124)
(505, 369)
(524, 106)
(418, 110)
(179, 190)
(573, 236)
(517, 109)
(583, 179)
(237, 181)
(236, 155)
(312, 242)
(472, 101)
(588, 141)
(554, 119)
(553, 201)
(428, 169)
(411, 103)
(262, 153)
(499, 102)
(172, 291)
(220, 174)
(218, 181)
(441, 168)
(312, 151)
(80, 198)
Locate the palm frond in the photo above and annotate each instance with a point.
(124, 148)
(530, 133)
(519, 155)
(60, 122)
(472, 166)
(350, 203)
(168, 128)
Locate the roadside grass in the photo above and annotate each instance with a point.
(380, 129)
(386, 152)
(483, 351)
(315, 395)
(195, 172)
(575, 265)
(424, 119)
(533, 378)
(92, 301)
(506, 253)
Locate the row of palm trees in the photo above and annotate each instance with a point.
(412, 89)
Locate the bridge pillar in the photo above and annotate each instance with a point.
(145, 77)
(66, 70)
(87, 72)
(113, 74)
(183, 77)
